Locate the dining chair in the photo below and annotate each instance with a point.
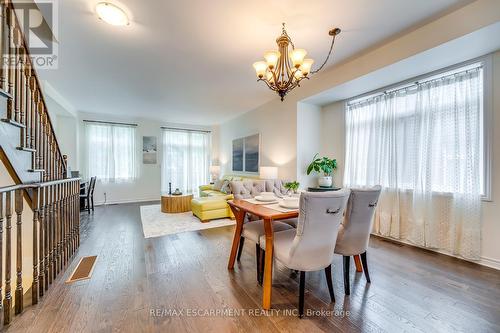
(354, 232)
(88, 196)
(253, 230)
(310, 246)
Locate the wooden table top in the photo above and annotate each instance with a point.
(260, 210)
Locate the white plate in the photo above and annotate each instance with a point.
(292, 206)
(259, 198)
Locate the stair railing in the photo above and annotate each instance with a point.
(55, 237)
(26, 107)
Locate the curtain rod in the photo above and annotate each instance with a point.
(463, 67)
(184, 129)
(108, 122)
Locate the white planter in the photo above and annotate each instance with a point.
(325, 181)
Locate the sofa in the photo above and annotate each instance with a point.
(212, 202)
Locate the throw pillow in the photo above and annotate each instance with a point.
(218, 185)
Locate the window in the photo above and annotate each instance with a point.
(111, 151)
(427, 136)
(186, 159)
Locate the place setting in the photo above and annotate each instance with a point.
(270, 200)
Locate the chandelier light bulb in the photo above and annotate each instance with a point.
(298, 74)
(270, 77)
(272, 58)
(298, 56)
(306, 66)
(260, 68)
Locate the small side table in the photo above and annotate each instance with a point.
(176, 203)
(322, 189)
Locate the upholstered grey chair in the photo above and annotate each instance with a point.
(310, 246)
(253, 230)
(354, 232)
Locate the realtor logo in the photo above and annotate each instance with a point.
(38, 25)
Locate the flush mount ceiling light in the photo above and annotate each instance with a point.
(283, 70)
(111, 14)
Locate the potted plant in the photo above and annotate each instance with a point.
(323, 165)
(292, 187)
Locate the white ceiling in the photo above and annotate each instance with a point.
(191, 61)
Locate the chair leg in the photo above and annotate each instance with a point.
(262, 261)
(88, 205)
(328, 273)
(347, 289)
(257, 256)
(302, 287)
(240, 248)
(92, 198)
(365, 266)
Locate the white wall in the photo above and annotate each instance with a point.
(332, 129)
(491, 210)
(308, 141)
(277, 127)
(67, 137)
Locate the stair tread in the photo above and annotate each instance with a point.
(26, 149)
(13, 122)
(36, 170)
(5, 94)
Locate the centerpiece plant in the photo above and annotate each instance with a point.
(325, 166)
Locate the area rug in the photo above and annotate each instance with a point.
(156, 224)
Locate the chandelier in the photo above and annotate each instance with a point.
(283, 70)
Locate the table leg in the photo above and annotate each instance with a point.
(268, 266)
(357, 262)
(240, 217)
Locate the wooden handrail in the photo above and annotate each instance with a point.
(36, 185)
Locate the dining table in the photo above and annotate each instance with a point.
(242, 207)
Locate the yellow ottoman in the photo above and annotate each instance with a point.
(211, 208)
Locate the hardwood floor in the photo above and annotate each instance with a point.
(137, 281)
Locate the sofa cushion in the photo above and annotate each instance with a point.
(213, 193)
(248, 188)
(208, 203)
(276, 186)
(225, 187)
(222, 185)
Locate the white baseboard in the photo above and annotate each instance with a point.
(484, 261)
(490, 262)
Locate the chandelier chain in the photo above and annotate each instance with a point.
(327, 57)
(284, 33)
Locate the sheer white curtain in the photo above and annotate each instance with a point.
(111, 151)
(186, 160)
(423, 145)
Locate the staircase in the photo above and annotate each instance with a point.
(24, 109)
(30, 152)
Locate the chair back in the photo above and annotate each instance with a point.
(92, 185)
(354, 232)
(319, 219)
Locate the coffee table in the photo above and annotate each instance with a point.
(176, 203)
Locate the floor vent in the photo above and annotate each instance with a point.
(83, 270)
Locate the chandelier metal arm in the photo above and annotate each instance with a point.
(268, 84)
(333, 33)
